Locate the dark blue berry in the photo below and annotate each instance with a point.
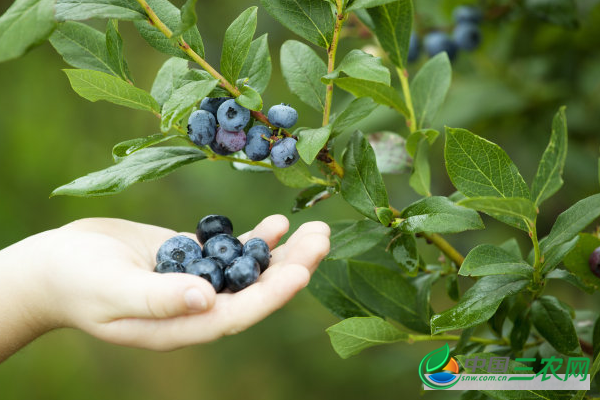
(180, 249)
(168, 266)
(467, 35)
(467, 14)
(413, 48)
(257, 148)
(259, 250)
(282, 116)
(232, 117)
(437, 42)
(224, 247)
(213, 225)
(212, 104)
(230, 141)
(210, 269)
(284, 153)
(202, 127)
(595, 262)
(242, 273)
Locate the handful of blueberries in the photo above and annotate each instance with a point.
(229, 136)
(224, 261)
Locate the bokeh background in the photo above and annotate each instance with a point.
(507, 91)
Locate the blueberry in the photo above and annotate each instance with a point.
(413, 48)
(180, 249)
(436, 42)
(230, 141)
(202, 127)
(259, 250)
(168, 266)
(212, 225)
(257, 148)
(282, 116)
(211, 104)
(224, 247)
(595, 262)
(219, 149)
(467, 14)
(210, 269)
(242, 273)
(232, 117)
(284, 153)
(467, 36)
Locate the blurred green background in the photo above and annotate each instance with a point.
(507, 91)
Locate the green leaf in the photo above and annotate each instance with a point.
(437, 358)
(171, 17)
(553, 321)
(188, 18)
(311, 141)
(520, 330)
(310, 196)
(386, 292)
(515, 211)
(96, 85)
(560, 12)
(249, 98)
(357, 4)
(390, 152)
(577, 260)
(356, 111)
(512, 247)
(257, 67)
(404, 251)
(361, 65)
(144, 165)
(452, 288)
(168, 78)
(413, 140)
(128, 147)
(381, 93)
(385, 215)
(487, 259)
(572, 279)
(548, 178)
(429, 88)
(183, 100)
(362, 185)
(240, 166)
(311, 19)
(353, 335)
(439, 215)
(423, 284)
(478, 303)
(356, 239)
(330, 285)
(478, 167)
(392, 24)
(77, 10)
(24, 25)
(114, 45)
(555, 255)
(420, 179)
(302, 70)
(296, 176)
(236, 44)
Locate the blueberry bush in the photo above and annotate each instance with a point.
(376, 277)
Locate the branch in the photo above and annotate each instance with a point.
(412, 119)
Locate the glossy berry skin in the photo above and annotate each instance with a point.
(202, 127)
(212, 104)
(232, 117)
(257, 148)
(284, 153)
(224, 247)
(467, 36)
(242, 273)
(467, 14)
(282, 116)
(595, 262)
(213, 225)
(413, 48)
(210, 269)
(217, 148)
(437, 42)
(168, 266)
(180, 249)
(230, 141)
(259, 250)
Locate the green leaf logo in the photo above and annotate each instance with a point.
(441, 374)
(437, 359)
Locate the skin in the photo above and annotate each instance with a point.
(96, 275)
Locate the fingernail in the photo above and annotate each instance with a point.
(195, 300)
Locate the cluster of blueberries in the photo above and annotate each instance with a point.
(224, 261)
(229, 136)
(466, 36)
(595, 262)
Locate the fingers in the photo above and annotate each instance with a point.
(307, 228)
(270, 229)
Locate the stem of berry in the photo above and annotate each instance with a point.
(426, 338)
(537, 264)
(412, 121)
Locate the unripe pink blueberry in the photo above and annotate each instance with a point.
(231, 141)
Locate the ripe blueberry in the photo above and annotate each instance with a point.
(224, 247)
(284, 153)
(230, 141)
(257, 148)
(467, 14)
(168, 266)
(467, 35)
(282, 116)
(180, 249)
(413, 48)
(259, 250)
(210, 269)
(232, 116)
(212, 225)
(202, 127)
(436, 42)
(211, 104)
(595, 262)
(242, 273)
